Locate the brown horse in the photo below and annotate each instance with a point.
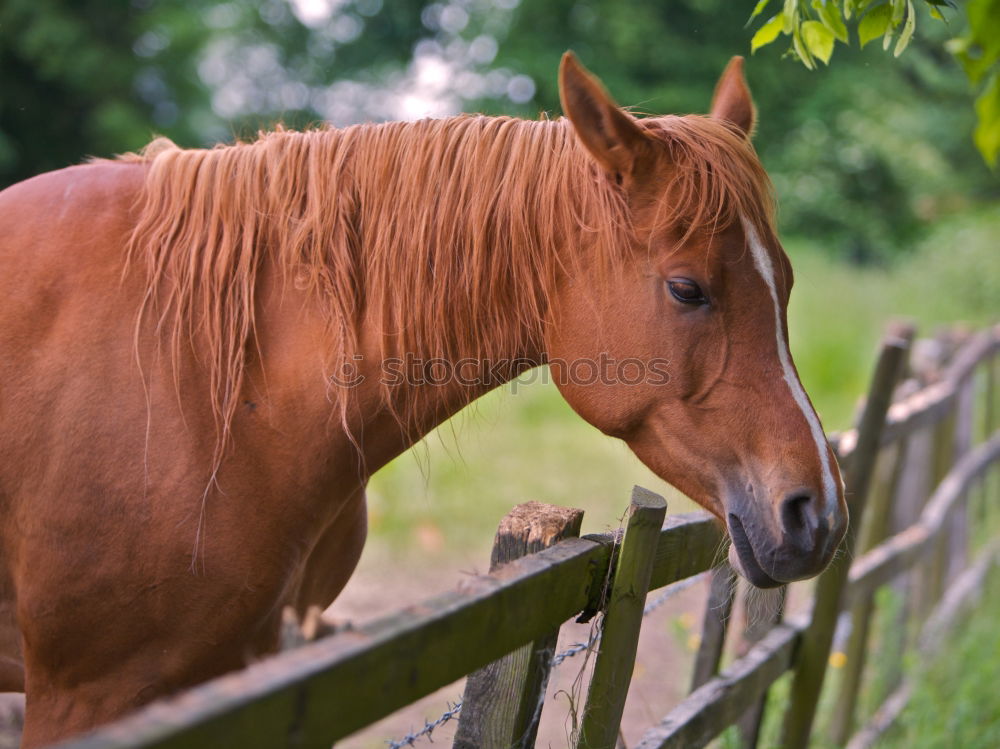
(195, 379)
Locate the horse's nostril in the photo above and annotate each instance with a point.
(799, 517)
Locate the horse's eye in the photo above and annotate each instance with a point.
(686, 291)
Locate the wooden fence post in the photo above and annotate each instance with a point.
(937, 563)
(622, 620)
(912, 491)
(873, 532)
(812, 659)
(502, 703)
(965, 428)
(713, 627)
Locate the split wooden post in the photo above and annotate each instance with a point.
(713, 626)
(810, 671)
(873, 532)
(501, 706)
(621, 622)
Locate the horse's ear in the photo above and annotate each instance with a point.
(611, 135)
(731, 100)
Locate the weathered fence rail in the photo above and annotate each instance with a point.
(325, 690)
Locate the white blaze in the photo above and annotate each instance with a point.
(762, 260)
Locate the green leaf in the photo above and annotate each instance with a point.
(987, 134)
(984, 28)
(857, 7)
(971, 60)
(790, 13)
(767, 33)
(898, 9)
(908, 28)
(887, 39)
(757, 10)
(818, 40)
(802, 51)
(874, 24)
(829, 14)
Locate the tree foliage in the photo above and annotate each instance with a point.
(815, 27)
(862, 156)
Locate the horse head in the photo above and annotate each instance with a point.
(689, 335)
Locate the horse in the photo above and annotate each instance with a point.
(195, 380)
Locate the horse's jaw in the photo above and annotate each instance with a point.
(742, 558)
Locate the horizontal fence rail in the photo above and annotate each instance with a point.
(324, 690)
(327, 689)
(724, 698)
(902, 550)
(929, 405)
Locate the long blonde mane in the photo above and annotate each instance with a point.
(448, 234)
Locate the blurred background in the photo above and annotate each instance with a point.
(885, 206)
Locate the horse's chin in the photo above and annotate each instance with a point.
(742, 559)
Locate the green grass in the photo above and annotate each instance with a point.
(446, 495)
(838, 312)
(451, 491)
(956, 702)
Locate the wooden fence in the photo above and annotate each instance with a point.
(924, 442)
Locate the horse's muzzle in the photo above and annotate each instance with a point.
(795, 543)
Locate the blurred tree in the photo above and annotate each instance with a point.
(815, 27)
(78, 78)
(979, 52)
(103, 76)
(861, 154)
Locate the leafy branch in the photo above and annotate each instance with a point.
(816, 26)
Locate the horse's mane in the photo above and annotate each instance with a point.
(447, 234)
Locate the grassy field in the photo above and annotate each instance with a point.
(523, 443)
(956, 702)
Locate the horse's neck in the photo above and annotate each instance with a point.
(403, 398)
(445, 238)
(458, 250)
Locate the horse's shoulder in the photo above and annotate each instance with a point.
(79, 204)
(94, 182)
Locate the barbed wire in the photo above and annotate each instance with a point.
(409, 739)
(575, 649)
